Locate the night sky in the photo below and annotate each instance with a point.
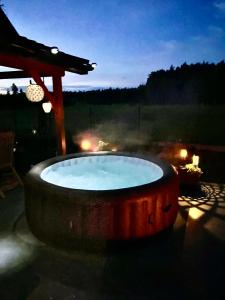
(127, 39)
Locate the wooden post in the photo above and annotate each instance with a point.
(59, 113)
(57, 105)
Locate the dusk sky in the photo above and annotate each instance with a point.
(127, 39)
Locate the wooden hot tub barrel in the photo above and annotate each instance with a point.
(71, 218)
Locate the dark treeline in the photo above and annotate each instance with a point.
(200, 83)
(107, 96)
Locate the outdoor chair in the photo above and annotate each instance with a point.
(8, 175)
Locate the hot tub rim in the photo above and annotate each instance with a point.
(34, 175)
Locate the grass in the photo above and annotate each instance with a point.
(188, 124)
(123, 122)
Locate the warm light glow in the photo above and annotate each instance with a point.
(86, 145)
(47, 107)
(87, 141)
(114, 149)
(195, 213)
(34, 131)
(35, 93)
(183, 153)
(195, 160)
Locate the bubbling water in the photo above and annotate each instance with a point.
(102, 172)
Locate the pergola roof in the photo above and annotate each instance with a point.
(13, 44)
(37, 60)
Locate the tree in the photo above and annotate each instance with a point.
(14, 89)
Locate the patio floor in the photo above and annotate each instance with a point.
(183, 263)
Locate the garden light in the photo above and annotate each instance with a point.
(183, 153)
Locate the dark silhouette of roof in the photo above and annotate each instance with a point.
(14, 44)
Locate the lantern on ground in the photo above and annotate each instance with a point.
(183, 153)
(34, 93)
(47, 106)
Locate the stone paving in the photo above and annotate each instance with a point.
(185, 262)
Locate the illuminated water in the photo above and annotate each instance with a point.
(105, 172)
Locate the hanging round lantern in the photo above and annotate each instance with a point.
(35, 93)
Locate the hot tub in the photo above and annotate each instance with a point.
(94, 198)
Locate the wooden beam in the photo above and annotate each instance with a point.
(28, 63)
(19, 74)
(59, 114)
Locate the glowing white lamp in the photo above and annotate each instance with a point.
(47, 106)
(54, 50)
(35, 93)
(183, 153)
(195, 160)
(94, 65)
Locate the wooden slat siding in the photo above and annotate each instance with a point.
(92, 220)
(108, 221)
(139, 219)
(139, 216)
(167, 214)
(124, 221)
(152, 214)
(162, 205)
(147, 209)
(117, 220)
(65, 219)
(133, 225)
(76, 220)
(84, 225)
(101, 221)
(159, 212)
(144, 219)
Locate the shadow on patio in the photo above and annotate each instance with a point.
(187, 261)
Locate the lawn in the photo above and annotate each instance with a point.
(127, 124)
(145, 124)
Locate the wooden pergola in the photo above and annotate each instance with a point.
(35, 60)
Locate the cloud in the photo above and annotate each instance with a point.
(220, 6)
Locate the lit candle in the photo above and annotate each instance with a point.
(183, 153)
(195, 160)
